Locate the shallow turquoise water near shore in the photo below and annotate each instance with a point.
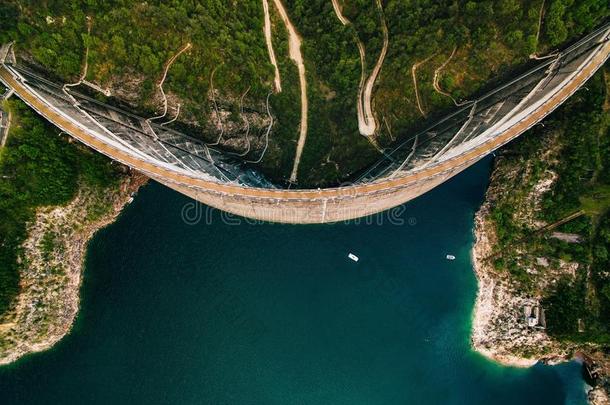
(226, 313)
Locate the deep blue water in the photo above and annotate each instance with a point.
(226, 313)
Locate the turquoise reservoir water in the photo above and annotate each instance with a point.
(227, 313)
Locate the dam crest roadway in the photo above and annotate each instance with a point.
(412, 167)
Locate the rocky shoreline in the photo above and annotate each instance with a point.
(537, 245)
(52, 266)
(499, 329)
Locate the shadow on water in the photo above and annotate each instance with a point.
(241, 313)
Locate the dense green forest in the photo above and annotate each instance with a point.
(574, 144)
(129, 43)
(38, 167)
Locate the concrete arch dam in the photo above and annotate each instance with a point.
(413, 167)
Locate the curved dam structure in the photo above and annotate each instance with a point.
(411, 168)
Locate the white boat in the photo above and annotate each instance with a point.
(353, 257)
(450, 257)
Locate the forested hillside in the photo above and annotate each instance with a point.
(550, 209)
(437, 51)
(38, 168)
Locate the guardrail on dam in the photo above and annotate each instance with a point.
(413, 167)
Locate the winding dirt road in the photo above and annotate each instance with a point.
(83, 78)
(268, 39)
(339, 13)
(367, 124)
(294, 49)
(437, 77)
(168, 65)
(414, 76)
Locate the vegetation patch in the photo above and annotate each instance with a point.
(38, 167)
(556, 247)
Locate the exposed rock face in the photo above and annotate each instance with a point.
(508, 319)
(220, 120)
(598, 396)
(500, 328)
(239, 132)
(51, 268)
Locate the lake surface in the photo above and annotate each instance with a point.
(182, 305)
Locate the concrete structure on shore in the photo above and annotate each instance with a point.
(414, 166)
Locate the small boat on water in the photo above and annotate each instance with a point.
(353, 257)
(450, 257)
